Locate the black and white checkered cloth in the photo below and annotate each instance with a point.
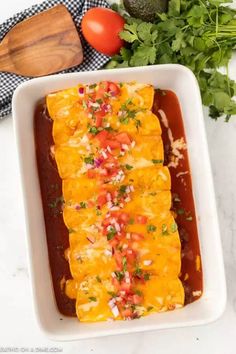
(92, 59)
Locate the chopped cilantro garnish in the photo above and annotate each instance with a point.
(124, 262)
(124, 120)
(157, 161)
(180, 211)
(164, 230)
(137, 123)
(151, 228)
(83, 205)
(93, 130)
(98, 279)
(99, 101)
(109, 129)
(122, 189)
(173, 227)
(138, 272)
(119, 275)
(92, 86)
(84, 105)
(98, 212)
(56, 202)
(128, 167)
(161, 92)
(71, 231)
(89, 160)
(111, 233)
(131, 221)
(112, 293)
(146, 276)
(149, 308)
(138, 292)
(92, 298)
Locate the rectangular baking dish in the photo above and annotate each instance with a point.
(212, 303)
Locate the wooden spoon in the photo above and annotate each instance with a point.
(43, 44)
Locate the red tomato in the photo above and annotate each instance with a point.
(101, 28)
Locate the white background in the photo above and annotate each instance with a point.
(18, 327)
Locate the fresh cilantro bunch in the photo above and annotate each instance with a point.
(200, 34)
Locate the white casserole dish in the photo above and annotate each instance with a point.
(212, 303)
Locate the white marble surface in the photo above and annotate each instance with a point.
(17, 324)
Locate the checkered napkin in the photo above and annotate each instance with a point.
(92, 59)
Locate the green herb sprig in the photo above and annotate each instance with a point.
(200, 34)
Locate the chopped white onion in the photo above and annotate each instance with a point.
(104, 154)
(147, 262)
(108, 252)
(117, 226)
(125, 147)
(133, 144)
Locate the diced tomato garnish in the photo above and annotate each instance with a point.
(118, 258)
(141, 219)
(130, 255)
(112, 143)
(103, 172)
(91, 173)
(91, 204)
(102, 136)
(116, 283)
(113, 89)
(127, 313)
(98, 120)
(123, 138)
(137, 299)
(124, 217)
(102, 89)
(101, 200)
(125, 286)
(106, 222)
(136, 237)
(104, 85)
(114, 242)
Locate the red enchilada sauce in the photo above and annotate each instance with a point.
(183, 204)
(182, 195)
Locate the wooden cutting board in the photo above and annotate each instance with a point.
(43, 44)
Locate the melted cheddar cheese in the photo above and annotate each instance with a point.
(124, 252)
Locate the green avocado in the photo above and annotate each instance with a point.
(145, 9)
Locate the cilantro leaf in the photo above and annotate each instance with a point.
(196, 33)
(143, 55)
